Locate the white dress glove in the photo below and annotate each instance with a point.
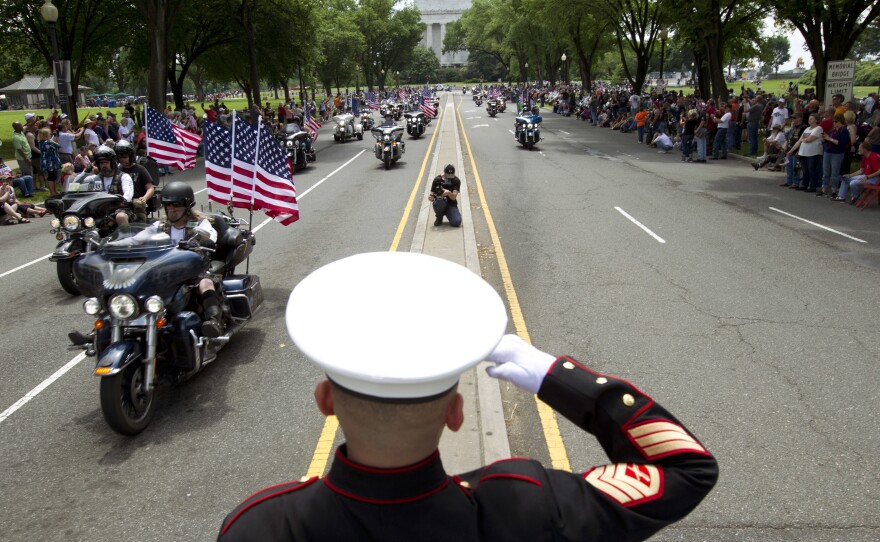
(519, 363)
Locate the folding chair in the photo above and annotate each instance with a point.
(869, 192)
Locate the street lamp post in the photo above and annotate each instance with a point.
(382, 80)
(398, 78)
(50, 14)
(357, 78)
(564, 69)
(663, 36)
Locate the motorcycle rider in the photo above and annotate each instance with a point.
(144, 187)
(181, 221)
(296, 124)
(109, 178)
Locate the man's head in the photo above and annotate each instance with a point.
(393, 383)
(29, 118)
(865, 148)
(449, 171)
(105, 160)
(125, 153)
(17, 127)
(177, 198)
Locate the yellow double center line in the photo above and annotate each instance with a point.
(555, 445)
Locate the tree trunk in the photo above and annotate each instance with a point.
(159, 25)
(247, 9)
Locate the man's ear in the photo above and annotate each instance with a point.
(324, 398)
(455, 413)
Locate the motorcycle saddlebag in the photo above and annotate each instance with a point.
(244, 294)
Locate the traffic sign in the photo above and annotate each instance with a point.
(839, 75)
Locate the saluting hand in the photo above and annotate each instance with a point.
(519, 363)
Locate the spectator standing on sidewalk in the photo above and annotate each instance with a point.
(836, 143)
(701, 135)
(754, 118)
(720, 147)
(792, 174)
(687, 135)
(809, 152)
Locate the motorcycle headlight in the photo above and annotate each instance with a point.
(71, 222)
(55, 223)
(89, 222)
(290, 143)
(530, 126)
(342, 125)
(92, 306)
(154, 304)
(387, 138)
(123, 306)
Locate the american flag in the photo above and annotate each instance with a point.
(311, 125)
(372, 101)
(244, 179)
(426, 107)
(168, 144)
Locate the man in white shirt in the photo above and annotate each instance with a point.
(719, 150)
(779, 115)
(869, 102)
(112, 180)
(634, 101)
(773, 150)
(662, 142)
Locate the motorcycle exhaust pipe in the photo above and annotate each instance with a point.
(150, 362)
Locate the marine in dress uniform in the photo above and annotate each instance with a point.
(658, 471)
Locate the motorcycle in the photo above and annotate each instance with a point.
(502, 105)
(80, 217)
(344, 128)
(141, 290)
(492, 107)
(295, 147)
(528, 130)
(415, 124)
(367, 120)
(389, 147)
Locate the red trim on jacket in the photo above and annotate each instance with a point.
(244, 509)
(344, 493)
(396, 470)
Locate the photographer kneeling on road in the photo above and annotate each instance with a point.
(444, 197)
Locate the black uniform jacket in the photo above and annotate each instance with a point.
(658, 473)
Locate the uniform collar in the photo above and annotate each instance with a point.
(386, 486)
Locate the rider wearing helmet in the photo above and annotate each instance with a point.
(144, 184)
(182, 222)
(111, 179)
(444, 197)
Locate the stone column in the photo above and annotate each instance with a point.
(428, 36)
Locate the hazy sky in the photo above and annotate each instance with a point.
(797, 45)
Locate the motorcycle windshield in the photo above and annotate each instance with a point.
(135, 238)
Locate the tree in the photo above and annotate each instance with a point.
(830, 28)
(159, 16)
(389, 35)
(776, 52)
(637, 25)
(868, 44)
(422, 68)
(79, 31)
(340, 44)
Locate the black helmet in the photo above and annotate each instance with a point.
(535, 110)
(449, 169)
(105, 153)
(180, 193)
(125, 147)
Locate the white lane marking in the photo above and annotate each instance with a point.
(81, 356)
(470, 110)
(542, 153)
(472, 118)
(818, 225)
(479, 125)
(511, 131)
(639, 224)
(20, 267)
(301, 196)
(564, 132)
(43, 385)
(202, 190)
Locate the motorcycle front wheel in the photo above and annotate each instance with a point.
(387, 161)
(126, 408)
(65, 276)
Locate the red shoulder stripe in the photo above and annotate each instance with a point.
(265, 495)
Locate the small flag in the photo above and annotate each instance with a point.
(372, 101)
(311, 125)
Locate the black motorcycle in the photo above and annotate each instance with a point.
(389, 147)
(80, 217)
(492, 107)
(141, 288)
(415, 124)
(295, 145)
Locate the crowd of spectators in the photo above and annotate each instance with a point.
(817, 145)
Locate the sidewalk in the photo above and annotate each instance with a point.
(483, 437)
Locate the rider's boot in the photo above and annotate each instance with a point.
(211, 327)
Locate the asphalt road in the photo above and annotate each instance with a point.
(754, 327)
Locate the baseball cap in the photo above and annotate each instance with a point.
(368, 321)
(781, 100)
(28, 116)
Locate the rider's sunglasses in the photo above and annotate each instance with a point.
(174, 204)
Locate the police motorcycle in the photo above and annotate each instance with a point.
(502, 104)
(295, 144)
(415, 124)
(385, 109)
(141, 289)
(345, 128)
(389, 147)
(478, 99)
(82, 214)
(492, 107)
(397, 110)
(367, 121)
(528, 128)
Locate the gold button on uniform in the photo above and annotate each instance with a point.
(304, 479)
(628, 399)
(568, 365)
(464, 484)
(601, 380)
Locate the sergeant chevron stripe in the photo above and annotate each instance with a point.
(627, 483)
(662, 438)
